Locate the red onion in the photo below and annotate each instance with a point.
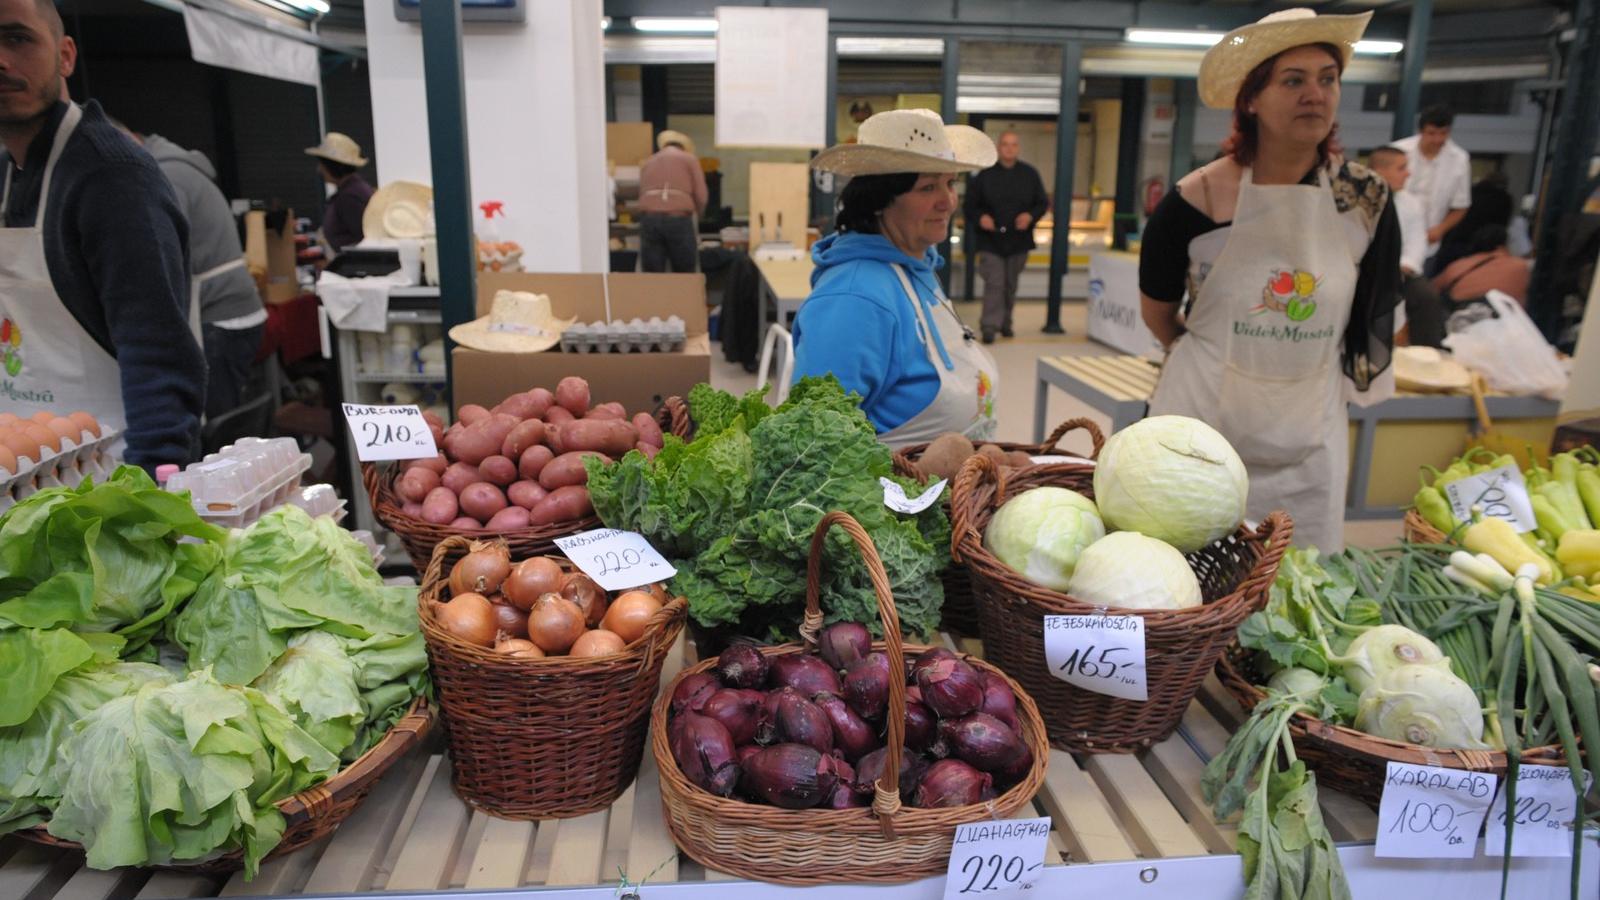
(737, 710)
(844, 794)
(927, 658)
(746, 751)
(705, 752)
(742, 666)
(869, 769)
(802, 722)
(793, 776)
(983, 741)
(913, 694)
(842, 643)
(866, 686)
(999, 701)
(852, 737)
(692, 692)
(1008, 775)
(805, 673)
(767, 718)
(921, 726)
(950, 688)
(951, 782)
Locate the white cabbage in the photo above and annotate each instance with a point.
(1040, 533)
(1131, 571)
(1172, 478)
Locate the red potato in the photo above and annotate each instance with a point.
(411, 510)
(558, 414)
(475, 445)
(509, 519)
(432, 418)
(526, 494)
(572, 394)
(440, 507)
(498, 470)
(450, 435)
(563, 505)
(525, 435)
(459, 476)
(471, 414)
(542, 400)
(482, 500)
(649, 429)
(608, 436)
(415, 485)
(499, 426)
(612, 410)
(438, 435)
(533, 461)
(567, 469)
(516, 405)
(466, 523)
(649, 450)
(437, 463)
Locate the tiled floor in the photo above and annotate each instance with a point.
(1016, 358)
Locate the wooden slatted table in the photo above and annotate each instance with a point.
(1119, 823)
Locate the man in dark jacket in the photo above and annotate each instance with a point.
(94, 277)
(1004, 201)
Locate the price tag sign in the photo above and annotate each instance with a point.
(1541, 823)
(1501, 492)
(1428, 812)
(389, 432)
(1056, 458)
(1104, 654)
(894, 496)
(998, 858)
(616, 560)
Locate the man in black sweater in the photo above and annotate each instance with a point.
(93, 269)
(1004, 201)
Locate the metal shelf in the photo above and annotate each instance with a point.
(402, 377)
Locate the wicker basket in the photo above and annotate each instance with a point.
(1354, 762)
(542, 738)
(1181, 646)
(884, 844)
(315, 812)
(420, 538)
(1420, 531)
(960, 613)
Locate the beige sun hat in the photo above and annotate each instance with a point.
(909, 140)
(1428, 369)
(399, 209)
(1229, 60)
(339, 148)
(518, 322)
(668, 136)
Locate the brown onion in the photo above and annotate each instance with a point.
(658, 591)
(511, 646)
(692, 692)
(842, 643)
(590, 597)
(597, 642)
(531, 579)
(852, 737)
(739, 711)
(630, 614)
(507, 618)
(866, 686)
(869, 769)
(469, 617)
(951, 782)
(999, 701)
(800, 721)
(983, 741)
(793, 776)
(921, 726)
(742, 666)
(950, 688)
(705, 752)
(482, 570)
(805, 673)
(555, 623)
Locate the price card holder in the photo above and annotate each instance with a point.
(1100, 653)
(1428, 812)
(894, 496)
(997, 858)
(1057, 458)
(616, 560)
(1544, 814)
(1501, 493)
(389, 432)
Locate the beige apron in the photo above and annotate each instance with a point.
(196, 283)
(1260, 359)
(967, 380)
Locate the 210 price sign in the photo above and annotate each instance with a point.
(1104, 654)
(389, 432)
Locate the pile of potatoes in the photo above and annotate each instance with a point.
(521, 463)
(945, 456)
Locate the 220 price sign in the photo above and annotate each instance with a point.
(616, 559)
(997, 858)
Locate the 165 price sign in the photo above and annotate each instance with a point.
(1104, 654)
(389, 432)
(616, 560)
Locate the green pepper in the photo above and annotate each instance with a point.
(1588, 480)
(1435, 509)
(1564, 501)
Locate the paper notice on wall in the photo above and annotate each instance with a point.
(772, 77)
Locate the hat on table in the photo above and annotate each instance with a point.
(518, 322)
(909, 140)
(399, 209)
(1427, 369)
(1229, 60)
(339, 148)
(668, 136)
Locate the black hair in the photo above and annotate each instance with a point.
(338, 169)
(860, 106)
(867, 195)
(1438, 115)
(1487, 238)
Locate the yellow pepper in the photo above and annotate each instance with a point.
(1497, 538)
(1579, 553)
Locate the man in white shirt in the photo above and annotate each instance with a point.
(1441, 174)
(1424, 310)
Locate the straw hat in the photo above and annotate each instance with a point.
(1427, 369)
(1228, 61)
(909, 140)
(339, 148)
(668, 136)
(518, 322)
(399, 209)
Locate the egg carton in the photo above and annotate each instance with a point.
(655, 335)
(320, 500)
(96, 458)
(239, 483)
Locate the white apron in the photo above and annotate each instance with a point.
(967, 383)
(196, 283)
(1260, 359)
(50, 361)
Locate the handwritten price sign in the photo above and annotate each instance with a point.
(1104, 654)
(1428, 812)
(389, 432)
(1501, 493)
(1541, 821)
(996, 858)
(616, 560)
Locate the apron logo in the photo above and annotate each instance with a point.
(11, 347)
(985, 396)
(1291, 292)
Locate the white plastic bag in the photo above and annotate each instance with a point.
(1510, 352)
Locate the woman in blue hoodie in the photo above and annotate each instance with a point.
(876, 317)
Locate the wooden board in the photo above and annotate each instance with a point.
(780, 203)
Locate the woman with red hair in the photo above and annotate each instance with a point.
(1290, 259)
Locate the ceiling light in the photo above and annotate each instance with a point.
(1379, 47)
(675, 25)
(605, 23)
(1207, 38)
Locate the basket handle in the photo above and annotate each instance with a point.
(1097, 439)
(659, 625)
(1275, 532)
(904, 463)
(441, 552)
(886, 800)
(673, 417)
(964, 502)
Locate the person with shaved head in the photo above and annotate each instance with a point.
(1003, 203)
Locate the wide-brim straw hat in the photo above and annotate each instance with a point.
(1229, 60)
(518, 322)
(668, 136)
(339, 148)
(909, 140)
(399, 209)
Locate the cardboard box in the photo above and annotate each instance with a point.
(639, 381)
(272, 251)
(629, 143)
